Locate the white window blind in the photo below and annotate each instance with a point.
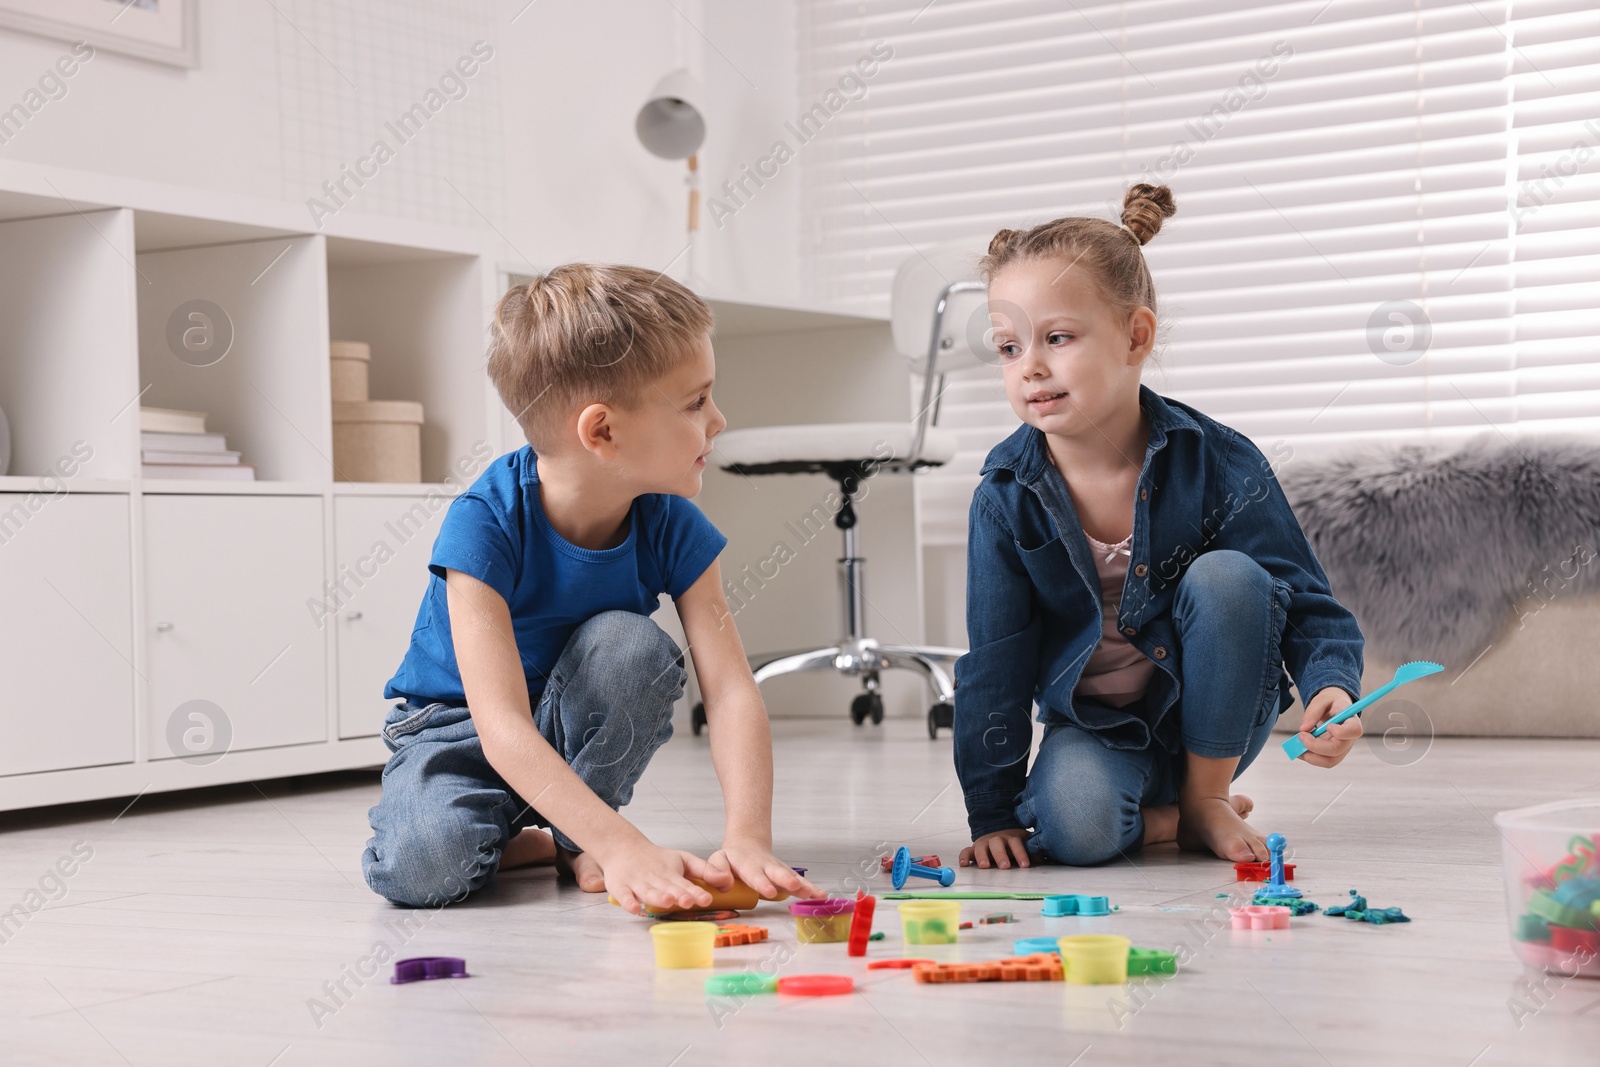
(1363, 250)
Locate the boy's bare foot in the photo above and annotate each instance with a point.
(1161, 823)
(1216, 824)
(531, 848)
(583, 868)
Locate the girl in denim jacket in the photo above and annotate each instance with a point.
(1134, 568)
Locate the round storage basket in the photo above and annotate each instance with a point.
(377, 441)
(349, 362)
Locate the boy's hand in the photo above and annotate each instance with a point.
(1335, 744)
(997, 849)
(755, 865)
(643, 875)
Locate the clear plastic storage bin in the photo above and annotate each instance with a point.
(1552, 874)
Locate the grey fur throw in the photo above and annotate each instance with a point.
(1435, 549)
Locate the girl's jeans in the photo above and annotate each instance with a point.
(1083, 798)
(445, 814)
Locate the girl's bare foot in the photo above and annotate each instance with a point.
(583, 868)
(1161, 823)
(1216, 824)
(531, 848)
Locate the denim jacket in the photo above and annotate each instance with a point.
(1034, 605)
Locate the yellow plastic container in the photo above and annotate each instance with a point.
(683, 944)
(822, 921)
(930, 922)
(1094, 959)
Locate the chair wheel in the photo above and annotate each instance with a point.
(697, 718)
(864, 706)
(940, 715)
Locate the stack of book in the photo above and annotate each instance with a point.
(175, 444)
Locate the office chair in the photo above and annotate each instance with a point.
(938, 318)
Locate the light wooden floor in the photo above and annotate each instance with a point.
(203, 928)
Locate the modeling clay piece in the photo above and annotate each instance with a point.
(1042, 967)
(877, 935)
(1552, 911)
(1408, 672)
(1076, 904)
(816, 985)
(741, 985)
(1357, 909)
(1565, 940)
(960, 895)
(710, 915)
(930, 860)
(1151, 961)
(861, 924)
(1533, 928)
(737, 897)
(1295, 905)
(422, 968)
(1259, 872)
(1260, 917)
(894, 965)
(902, 867)
(998, 917)
(738, 934)
(1277, 887)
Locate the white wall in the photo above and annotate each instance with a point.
(272, 110)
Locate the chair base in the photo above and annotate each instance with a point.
(864, 657)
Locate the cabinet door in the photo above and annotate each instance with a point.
(381, 550)
(66, 634)
(232, 584)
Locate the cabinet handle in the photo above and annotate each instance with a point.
(352, 615)
(163, 627)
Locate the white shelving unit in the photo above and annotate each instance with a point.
(273, 610)
(165, 634)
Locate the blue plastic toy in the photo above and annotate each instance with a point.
(1277, 887)
(903, 867)
(1408, 672)
(1027, 946)
(1076, 904)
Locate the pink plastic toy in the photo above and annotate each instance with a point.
(1260, 917)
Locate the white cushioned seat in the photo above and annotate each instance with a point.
(816, 447)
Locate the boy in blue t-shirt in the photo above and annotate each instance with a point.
(536, 619)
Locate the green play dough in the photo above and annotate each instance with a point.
(742, 984)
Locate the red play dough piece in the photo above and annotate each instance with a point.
(861, 923)
(816, 985)
(894, 965)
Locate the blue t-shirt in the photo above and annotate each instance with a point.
(497, 532)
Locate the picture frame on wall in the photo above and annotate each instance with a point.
(163, 31)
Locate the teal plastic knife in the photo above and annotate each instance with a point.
(1408, 672)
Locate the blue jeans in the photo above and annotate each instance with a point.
(1082, 798)
(445, 814)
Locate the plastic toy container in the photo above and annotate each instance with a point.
(930, 922)
(822, 921)
(1552, 875)
(1094, 959)
(683, 944)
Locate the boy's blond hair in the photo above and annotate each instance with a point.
(589, 333)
